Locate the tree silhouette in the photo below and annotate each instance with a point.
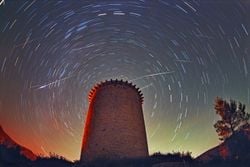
(233, 118)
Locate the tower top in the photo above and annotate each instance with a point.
(115, 82)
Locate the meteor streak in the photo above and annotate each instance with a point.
(152, 75)
(71, 76)
(51, 83)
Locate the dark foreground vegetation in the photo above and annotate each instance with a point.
(12, 158)
(157, 158)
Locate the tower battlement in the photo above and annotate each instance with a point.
(115, 82)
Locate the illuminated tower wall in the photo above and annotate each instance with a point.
(114, 126)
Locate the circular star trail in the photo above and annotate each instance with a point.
(182, 54)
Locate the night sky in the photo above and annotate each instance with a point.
(182, 54)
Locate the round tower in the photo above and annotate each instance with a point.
(114, 126)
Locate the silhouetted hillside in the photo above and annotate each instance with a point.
(11, 157)
(10, 143)
(15, 155)
(234, 150)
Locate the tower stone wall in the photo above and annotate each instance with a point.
(114, 126)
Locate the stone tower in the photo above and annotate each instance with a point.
(114, 126)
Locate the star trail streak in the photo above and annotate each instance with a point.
(2, 2)
(181, 53)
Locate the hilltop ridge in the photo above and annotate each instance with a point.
(7, 141)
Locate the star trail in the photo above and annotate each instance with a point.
(182, 54)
